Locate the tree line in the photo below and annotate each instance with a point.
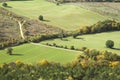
(101, 26)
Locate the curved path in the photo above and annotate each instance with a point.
(21, 32)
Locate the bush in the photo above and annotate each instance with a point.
(57, 3)
(61, 46)
(54, 44)
(72, 48)
(9, 51)
(109, 44)
(4, 4)
(41, 17)
(75, 35)
(65, 47)
(83, 48)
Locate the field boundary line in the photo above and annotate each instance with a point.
(54, 47)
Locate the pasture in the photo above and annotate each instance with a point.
(30, 53)
(108, 9)
(68, 17)
(94, 41)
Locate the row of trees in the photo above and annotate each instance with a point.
(101, 26)
(109, 44)
(92, 65)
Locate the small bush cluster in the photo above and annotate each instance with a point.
(9, 50)
(65, 47)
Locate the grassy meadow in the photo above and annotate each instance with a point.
(68, 17)
(65, 16)
(108, 9)
(30, 53)
(94, 41)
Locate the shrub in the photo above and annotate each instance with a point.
(72, 48)
(61, 35)
(83, 48)
(61, 46)
(57, 3)
(54, 44)
(47, 44)
(65, 47)
(75, 35)
(9, 51)
(4, 4)
(109, 44)
(41, 17)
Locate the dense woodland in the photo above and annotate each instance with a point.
(91, 65)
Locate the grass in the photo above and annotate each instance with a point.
(108, 9)
(96, 41)
(30, 53)
(65, 16)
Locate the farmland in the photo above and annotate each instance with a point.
(110, 10)
(68, 17)
(30, 53)
(95, 41)
(59, 40)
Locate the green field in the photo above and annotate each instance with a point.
(108, 9)
(95, 41)
(30, 53)
(65, 16)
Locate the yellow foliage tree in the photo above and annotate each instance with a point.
(69, 78)
(114, 63)
(44, 62)
(84, 63)
(18, 62)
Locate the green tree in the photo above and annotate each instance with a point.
(75, 35)
(4, 4)
(72, 47)
(61, 35)
(109, 44)
(41, 17)
(9, 51)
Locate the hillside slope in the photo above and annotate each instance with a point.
(68, 17)
(10, 28)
